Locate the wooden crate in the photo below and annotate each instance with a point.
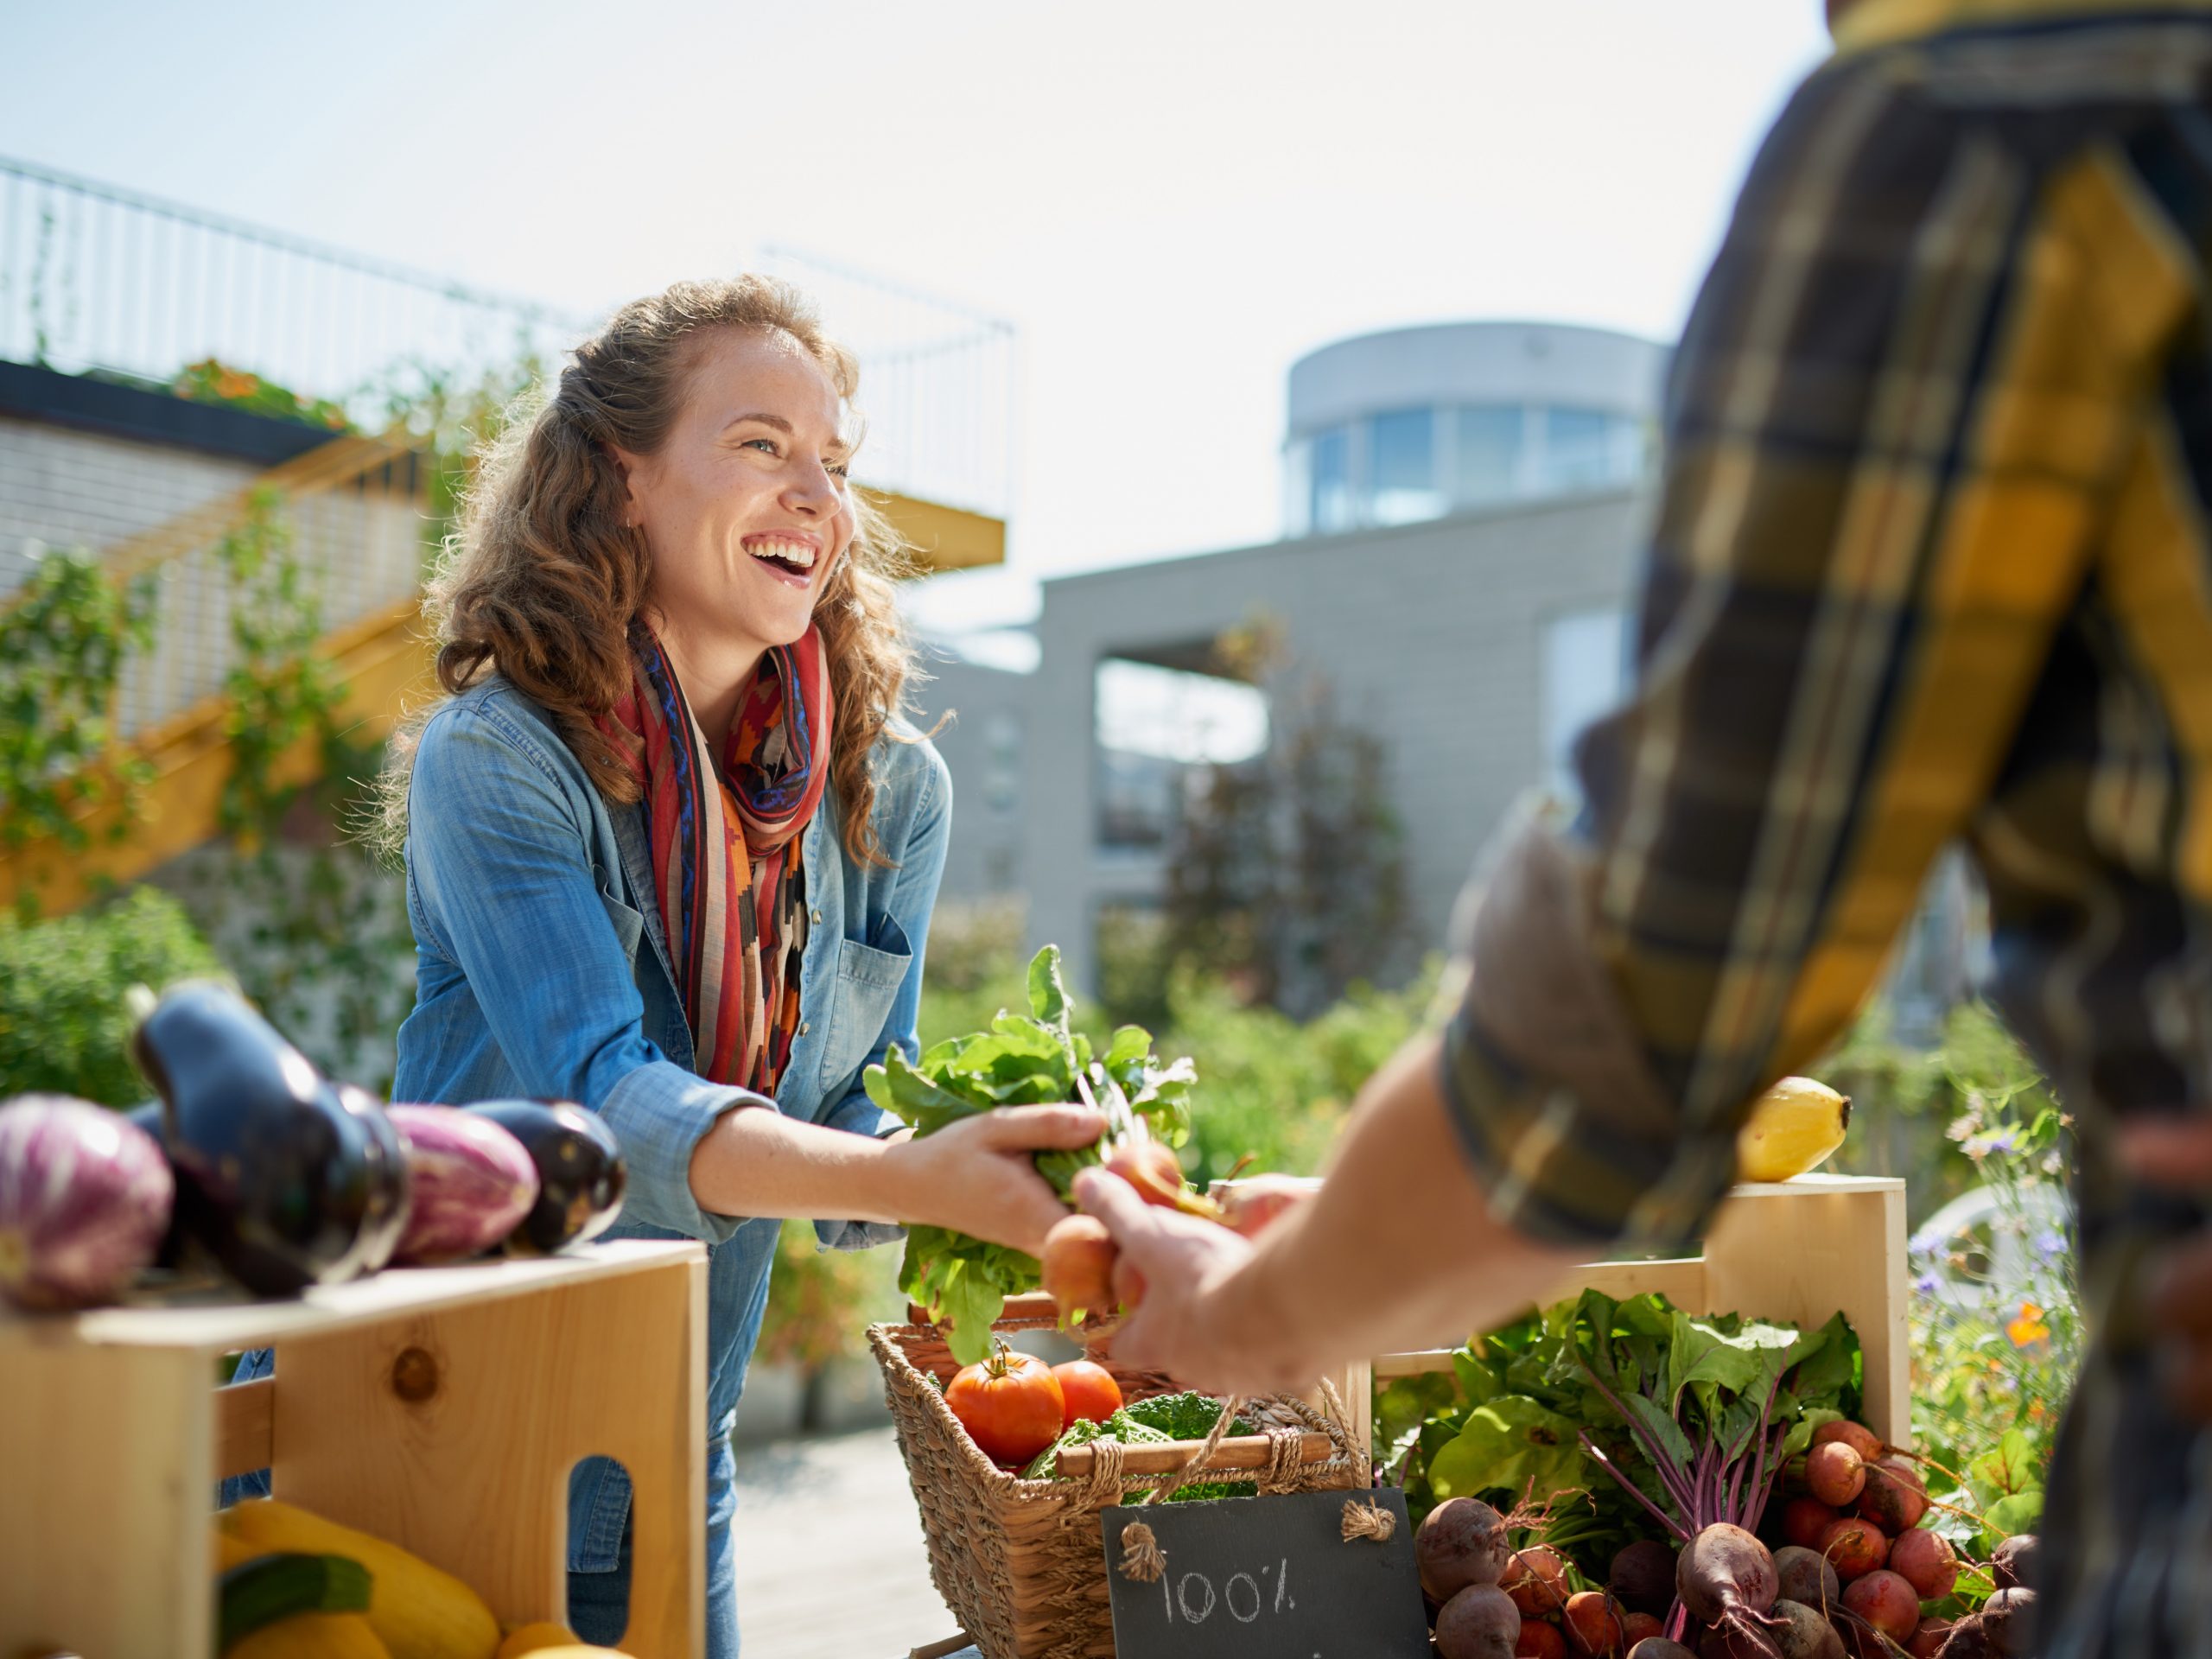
(441, 1408)
(1799, 1251)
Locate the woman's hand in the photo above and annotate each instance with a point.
(976, 1176)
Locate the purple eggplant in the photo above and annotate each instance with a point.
(85, 1196)
(471, 1181)
(580, 1175)
(286, 1182)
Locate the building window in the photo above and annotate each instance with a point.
(1585, 675)
(1586, 448)
(1332, 498)
(1154, 727)
(1401, 468)
(1002, 763)
(1490, 445)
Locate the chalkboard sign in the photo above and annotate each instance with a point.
(1268, 1578)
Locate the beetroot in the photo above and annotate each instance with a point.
(1854, 1547)
(472, 1180)
(1480, 1622)
(1725, 1578)
(1538, 1641)
(1804, 1520)
(1461, 1542)
(1969, 1639)
(1885, 1600)
(1834, 1473)
(1643, 1576)
(1928, 1562)
(1806, 1635)
(1896, 1498)
(1536, 1579)
(2009, 1617)
(1861, 1439)
(1635, 1627)
(1658, 1647)
(2015, 1562)
(84, 1197)
(1593, 1625)
(1928, 1641)
(1804, 1575)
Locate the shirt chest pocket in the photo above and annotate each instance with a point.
(868, 978)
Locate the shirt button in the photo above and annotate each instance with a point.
(814, 916)
(801, 1027)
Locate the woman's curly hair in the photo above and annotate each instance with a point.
(544, 583)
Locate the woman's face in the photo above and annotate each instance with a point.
(744, 508)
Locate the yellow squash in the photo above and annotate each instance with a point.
(418, 1612)
(536, 1638)
(312, 1636)
(1793, 1128)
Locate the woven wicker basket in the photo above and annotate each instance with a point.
(1022, 1562)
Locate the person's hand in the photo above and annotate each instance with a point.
(976, 1176)
(1191, 1322)
(1253, 1205)
(2176, 1156)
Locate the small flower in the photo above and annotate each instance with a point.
(1927, 1284)
(2028, 1328)
(2050, 1243)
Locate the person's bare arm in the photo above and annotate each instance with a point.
(1399, 1210)
(974, 1176)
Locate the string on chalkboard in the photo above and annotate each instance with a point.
(1142, 1559)
(1368, 1520)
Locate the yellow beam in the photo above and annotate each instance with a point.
(942, 537)
(385, 664)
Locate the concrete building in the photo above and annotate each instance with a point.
(1462, 517)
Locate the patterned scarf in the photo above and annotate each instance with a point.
(726, 847)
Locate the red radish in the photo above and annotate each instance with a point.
(1834, 1473)
(1478, 1623)
(1861, 1439)
(1151, 1168)
(1896, 1498)
(1250, 1206)
(1643, 1576)
(1854, 1547)
(2015, 1561)
(1927, 1562)
(1886, 1601)
(472, 1180)
(1078, 1266)
(1805, 1576)
(1536, 1579)
(1594, 1629)
(1804, 1520)
(1725, 1578)
(1538, 1641)
(84, 1197)
(1928, 1641)
(1461, 1541)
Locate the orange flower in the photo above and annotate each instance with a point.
(2029, 1329)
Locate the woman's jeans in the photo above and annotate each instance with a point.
(599, 1603)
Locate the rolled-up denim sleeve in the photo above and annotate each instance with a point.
(913, 900)
(497, 850)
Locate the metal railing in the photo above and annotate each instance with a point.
(95, 278)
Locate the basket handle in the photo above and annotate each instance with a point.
(1164, 1458)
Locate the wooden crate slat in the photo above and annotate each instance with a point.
(244, 1416)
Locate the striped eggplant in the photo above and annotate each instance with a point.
(471, 1181)
(84, 1197)
(286, 1179)
(580, 1175)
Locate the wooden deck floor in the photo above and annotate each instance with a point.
(830, 1556)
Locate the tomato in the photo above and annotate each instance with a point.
(1089, 1390)
(1010, 1405)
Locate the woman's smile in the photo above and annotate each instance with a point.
(789, 555)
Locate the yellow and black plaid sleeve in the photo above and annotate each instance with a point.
(1898, 408)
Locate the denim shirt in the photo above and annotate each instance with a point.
(543, 971)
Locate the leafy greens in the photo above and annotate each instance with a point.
(1032, 1060)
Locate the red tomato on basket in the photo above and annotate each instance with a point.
(1088, 1390)
(1010, 1405)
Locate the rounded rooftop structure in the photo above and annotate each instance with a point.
(1413, 424)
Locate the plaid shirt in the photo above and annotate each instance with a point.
(1932, 562)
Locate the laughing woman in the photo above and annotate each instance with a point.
(671, 851)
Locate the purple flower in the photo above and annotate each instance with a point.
(1927, 1284)
(2050, 1243)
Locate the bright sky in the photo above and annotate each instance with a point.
(1171, 198)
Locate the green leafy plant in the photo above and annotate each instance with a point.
(64, 1021)
(211, 381)
(1036, 1058)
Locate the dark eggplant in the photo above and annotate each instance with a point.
(580, 1171)
(286, 1181)
(153, 1117)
